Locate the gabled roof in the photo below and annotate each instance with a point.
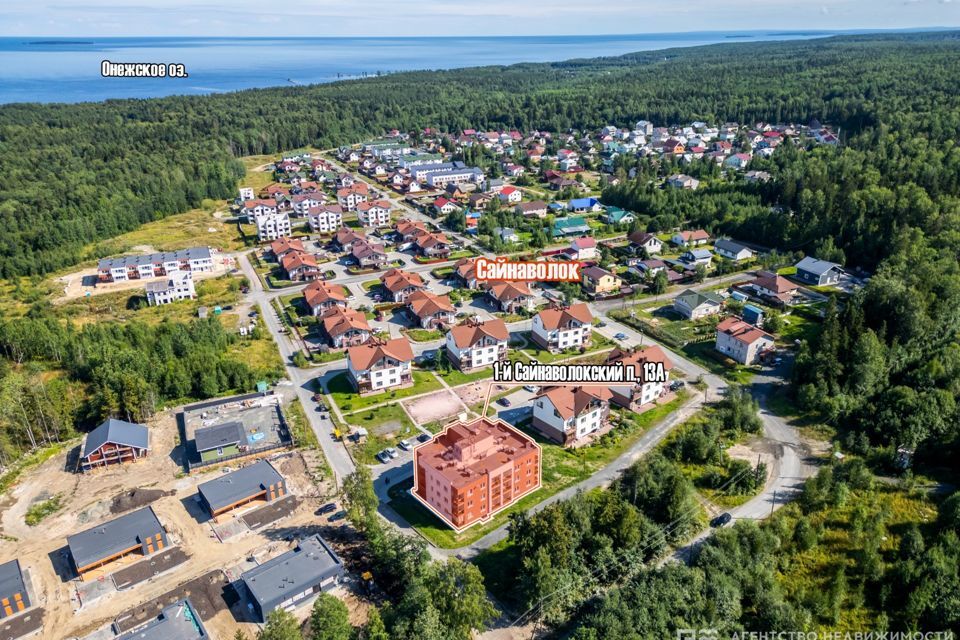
(179, 621)
(637, 358)
(561, 317)
(407, 227)
(230, 488)
(425, 304)
(113, 537)
(220, 435)
(363, 249)
(338, 320)
(699, 254)
(570, 402)
(346, 235)
(397, 280)
(428, 240)
(594, 272)
(694, 299)
(296, 259)
(724, 244)
(698, 234)
(319, 291)
(128, 434)
(741, 331)
(11, 580)
(817, 267)
(370, 204)
(285, 245)
(470, 333)
(466, 268)
(642, 237)
(584, 243)
(509, 290)
(363, 356)
(773, 282)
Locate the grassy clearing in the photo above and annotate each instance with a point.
(42, 510)
(348, 400)
(560, 468)
(703, 354)
(597, 343)
(303, 434)
(423, 335)
(370, 284)
(385, 427)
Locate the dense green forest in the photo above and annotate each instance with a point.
(71, 175)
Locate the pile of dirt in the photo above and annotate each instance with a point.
(206, 594)
(135, 499)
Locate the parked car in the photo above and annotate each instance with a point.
(404, 444)
(327, 508)
(393, 453)
(503, 402)
(620, 336)
(339, 515)
(532, 388)
(721, 519)
(601, 324)
(401, 262)
(383, 457)
(423, 437)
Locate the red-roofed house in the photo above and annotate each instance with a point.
(742, 341)
(561, 328)
(584, 248)
(649, 387)
(379, 365)
(568, 414)
(511, 195)
(690, 238)
(300, 266)
(431, 310)
(475, 344)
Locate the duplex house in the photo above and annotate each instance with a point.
(646, 241)
(694, 238)
(368, 255)
(346, 237)
(694, 305)
(536, 208)
(259, 481)
(651, 372)
(560, 328)
(300, 266)
(374, 214)
(818, 272)
(599, 281)
(344, 327)
(770, 285)
(176, 286)
(14, 596)
(476, 344)
(137, 533)
(379, 365)
(567, 414)
(731, 250)
(431, 310)
(741, 340)
(432, 245)
(280, 248)
(400, 284)
(325, 218)
(466, 272)
(511, 297)
(154, 265)
(321, 295)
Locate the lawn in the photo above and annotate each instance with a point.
(560, 468)
(370, 284)
(348, 400)
(374, 419)
(797, 326)
(597, 343)
(455, 377)
(703, 354)
(303, 435)
(423, 335)
(42, 510)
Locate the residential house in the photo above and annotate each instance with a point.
(257, 482)
(431, 310)
(350, 197)
(344, 327)
(599, 281)
(137, 533)
(154, 265)
(567, 414)
(220, 441)
(368, 255)
(510, 195)
(616, 215)
(479, 200)
(347, 237)
(114, 442)
(770, 285)
(696, 257)
(444, 206)
(253, 209)
(476, 344)
(536, 208)
(511, 297)
(573, 225)
(407, 231)
(400, 284)
(694, 305)
(651, 373)
(742, 341)
(325, 218)
(683, 181)
(14, 595)
(694, 238)
(176, 286)
(507, 235)
(300, 266)
(818, 272)
(466, 272)
(380, 364)
(646, 241)
(733, 250)
(280, 248)
(583, 248)
(472, 471)
(375, 213)
(432, 245)
(584, 205)
(273, 226)
(178, 621)
(302, 203)
(560, 328)
(738, 161)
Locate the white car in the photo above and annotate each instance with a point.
(393, 453)
(404, 444)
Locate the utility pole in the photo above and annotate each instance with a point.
(773, 502)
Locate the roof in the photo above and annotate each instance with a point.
(425, 304)
(231, 488)
(741, 331)
(637, 358)
(364, 355)
(195, 253)
(465, 452)
(397, 280)
(11, 580)
(577, 203)
(407, 227)
(817, 267)
(292, 572)
(699, 254)
(363, 249)
(572, 401)
(295, 260)
(562, 317)
(346, 235)
(724, 244)
(113, 537)
(509, 290)
(575, 224)
(642, 237)
(773, 282)
(339, 320)
(698, 234)
(694, 299)
(466, 268)
(118, 432)
(220, 435)
(594, 272)
(536, 205)
(471, 332)
(320, 291)
(179, 621)
(584, 243)
(284, 245)
(366, 206)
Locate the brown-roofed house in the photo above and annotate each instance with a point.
(431, 310)
(652, 373)
(432, 245)
(771, 285)
(321, 295)
(380, 364)
(742, 341)
(511, 297)
(345, 327)
(475, 344)
(368, 255)
(346, 237)
(300, 266)
(562, 327)
(567, 414)
(400, 284)
(283, 246)
(466, 270)
(470, 471)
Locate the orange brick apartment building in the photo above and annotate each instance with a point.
(472, 470)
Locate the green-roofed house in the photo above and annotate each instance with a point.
(697, 304)
(573, 226)
(616, 215)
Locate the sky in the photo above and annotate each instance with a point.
(459, 17)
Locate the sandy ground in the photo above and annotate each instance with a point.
(436, 406)
(89, 499)
(475, 392)
(81, 283)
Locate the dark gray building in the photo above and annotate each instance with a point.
(179, 621)
(138, 532)
(259, 481)
(114, 442)
(13, 590)
(282, 582)
(219, 441)
(818, 272)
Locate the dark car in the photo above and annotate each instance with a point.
(423, 437)
(339, 515)
(721, 519)
(327, 508)
(620, 336)
(503, 402)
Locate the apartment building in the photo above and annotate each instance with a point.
(154, 265)
(563, 327)
(273, 226)
(741, 340)
(176, 286)
(650, 386)
(374, 214)
(325, 218)
(476, 344)
(380, 364)
(568, 414)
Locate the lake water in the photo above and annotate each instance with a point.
(68, 70)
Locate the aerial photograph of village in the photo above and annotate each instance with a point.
(382, 323)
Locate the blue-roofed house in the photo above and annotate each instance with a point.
(616, 215)
(574, 225)
(114, 442)
(752, 314)
(584, 205)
